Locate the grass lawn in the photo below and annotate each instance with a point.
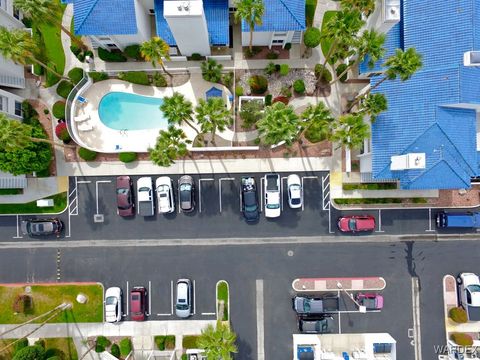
(325, 44)
(190, 341)
(64, 348)
(222, 294)
(60, 202)
(310, 6)
(47, 297)
(7, 354)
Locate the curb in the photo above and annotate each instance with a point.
(216, 299)
(348, 208)
(301, 290)
(51, 284)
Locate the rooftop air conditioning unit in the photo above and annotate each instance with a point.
(408, 161)
(471, 58)
(391, 10)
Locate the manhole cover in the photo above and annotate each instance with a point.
(290, 253)
(98, 218)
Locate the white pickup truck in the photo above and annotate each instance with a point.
(272, 195)
(469, 294)
(145, 204)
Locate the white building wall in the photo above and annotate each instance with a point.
(260, 38)
(8, 104)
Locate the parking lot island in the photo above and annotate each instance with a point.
(332, 284)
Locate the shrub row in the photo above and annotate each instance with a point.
(108, 56)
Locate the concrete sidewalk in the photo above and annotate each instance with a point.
(37, 188)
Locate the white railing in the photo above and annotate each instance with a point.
(224, 148)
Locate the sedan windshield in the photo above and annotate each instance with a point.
(273, 206)
(111, 300)
(352, 224)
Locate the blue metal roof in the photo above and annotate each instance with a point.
(105, 17)
(281, 15)
(213, 92)
(216, 14)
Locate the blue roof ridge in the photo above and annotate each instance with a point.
(88, 13)
(435, 165)
(290, 12)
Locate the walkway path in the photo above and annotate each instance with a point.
(37, 188)
(71, 60)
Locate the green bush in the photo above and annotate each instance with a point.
(103, 341)
(196, 57)
(62, 132)
(357, 201)
(28, 111)
(99, 348)
(46, 111)
(115, 351)
(370, 186)
(160, 342)
(127, 157)
(238, 90)
(58, 109)
(419, 200)
(40, 342)
(322, 73)
(98, 76)
(64, 88)
(30, 353)
(76, 74)
(184, 357)
(125, 347)
(258, 84)
(251, 53)
(316, 133)
(268, 100)
(133, 51)
(299, 86)
(89, 53)
(270, 69)
(461, 339)
(159, 80)
(75, 49)
(190, 341)
(312, 37)
(288, 46)
(340, 69)
(81, 57)
(87, 155)
(458, 314)
(21, 344)
(251, 112)
(108, 56)
(272, 55)
(285, 91)
(170, 342)
(135, 77)
(284, 69)
(227, 79)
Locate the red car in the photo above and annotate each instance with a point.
(125, 203)
(356, 223)
(371, 301)
(138, 303)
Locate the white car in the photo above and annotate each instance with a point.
(164, 189)
(272, 195)
(113, 305)
(295, 191)
(183, 305)
(469, 294)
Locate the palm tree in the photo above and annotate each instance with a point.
(341, 30)
(318, 119)
(46, 11)
(218, 342)
(154, 50)
(171, 144)
(18, 46)
(178, 110)
(251, 11)
(403, 65)
(16, 135)
(369, 43)
(350, 130)
(366, 7)
(373, 105)
(212, 115)
(279, 124)
(211, 70)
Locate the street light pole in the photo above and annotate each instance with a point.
(361, 308)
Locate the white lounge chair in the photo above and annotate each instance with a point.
(85, 127)
(83, 117)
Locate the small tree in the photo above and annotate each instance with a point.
(155, 50)
(171, 144)
(280, 123)
(317, 122)
(373, 105)
(178, 110)
(212, 115)
(312, 37)
(250, 113)
(350, 131)
(34, 352)
(218, 342)
(366, 7)
(251, 11)
(211, 71)
(458, 314)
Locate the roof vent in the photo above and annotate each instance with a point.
(179, 8)
(408, 161)
(471, 58)
(391, 10)
(186, 5)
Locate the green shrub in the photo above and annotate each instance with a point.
(86, 154)
(251, 112)
(316, 133)
(322, 73)
(227, 79)
(21, 344)
(75, 74)
(285, 91)
(270, 69)
(461, 339)
(46, 111)
(268, 100)
(58, 109)
(284, 69)
(370, 186)
(133, 51)
(299, 86)
(288, 46)
(160, 342)
(170, 342)
(30, 352)
(99, 348)
(159, 80)
(81, 57)
(419, 200)
(64, 88)
(251, 53)
(28, 112)
(184, 357)
(103, 341)
(108, 56)
(125, 347)
(238, 90)
(282, 99)
(127, 157)
(115, 351)
(340, 69)
(62, 132)
(258, 84)
(75, 49)
(190, 341)
(458, 314)
(272, 55)
(98, 76)
(196, 57)
(211, 70)
(135, 77)
(312, 37)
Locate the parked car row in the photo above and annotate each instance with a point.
(138, 301)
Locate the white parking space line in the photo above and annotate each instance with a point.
(96, 189)
(18, 231)
(209, 313)
(194, 298)
(379, 222)
(339, 323)
(262, 200)
(220, 189)
(83, 182)
(303, 189)
(417, 338)
(281, 191)
(127, 301)
(171, 297)
(260, 320)
(430, 220)
(200, 192)
(149, 298)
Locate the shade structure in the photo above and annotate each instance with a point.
(213, 92)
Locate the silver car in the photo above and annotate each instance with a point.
(186, 193)
(183, 304)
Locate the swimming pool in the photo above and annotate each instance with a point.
(126, 111)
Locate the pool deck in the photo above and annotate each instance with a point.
(104, 139)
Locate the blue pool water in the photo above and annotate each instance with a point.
(125, 111)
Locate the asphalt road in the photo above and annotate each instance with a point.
(241, 266)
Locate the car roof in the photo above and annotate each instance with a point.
(185, 179)
(144, 181)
